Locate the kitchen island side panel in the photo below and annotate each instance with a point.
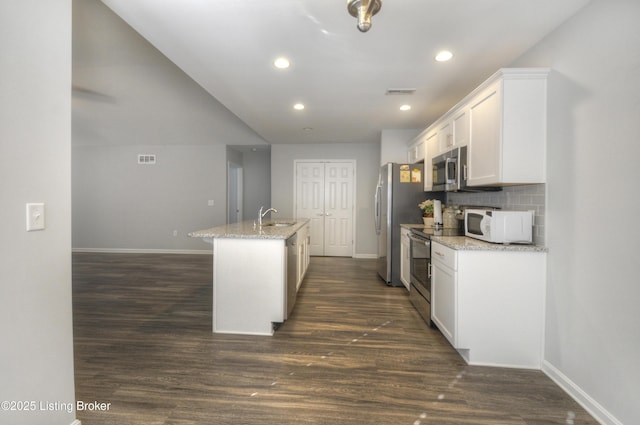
(249, 287)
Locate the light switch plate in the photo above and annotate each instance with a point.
(35, 216)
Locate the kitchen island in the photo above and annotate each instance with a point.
(257, 271)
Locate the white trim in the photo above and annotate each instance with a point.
(238, 170)
(143, 251)
(579, 395)
(366, 256)
(76, 422)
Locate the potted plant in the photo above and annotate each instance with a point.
(427, 211)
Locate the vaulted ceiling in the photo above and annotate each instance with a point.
(340, 74)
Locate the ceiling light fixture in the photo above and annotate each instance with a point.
(364, 10)
(443, 56)
(281, 63)
(405, 107)
(298, 106)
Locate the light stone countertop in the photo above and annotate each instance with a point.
(464, 243)
(246, 230)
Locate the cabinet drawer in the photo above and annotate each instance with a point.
(444, 254)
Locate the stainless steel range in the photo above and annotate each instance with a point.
(420, 265)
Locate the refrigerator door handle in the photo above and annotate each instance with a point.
(376, 208)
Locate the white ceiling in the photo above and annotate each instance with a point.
(339, 73)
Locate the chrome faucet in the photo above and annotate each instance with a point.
(262, 214)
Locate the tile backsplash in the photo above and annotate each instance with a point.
(519, 198)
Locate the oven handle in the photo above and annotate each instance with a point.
(418, 239)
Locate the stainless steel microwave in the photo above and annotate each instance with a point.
(446, 171)
(450, 173)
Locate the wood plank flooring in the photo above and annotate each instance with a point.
(353, 352)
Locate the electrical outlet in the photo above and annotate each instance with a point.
(175, 233)
(35, 216)
(211, 202)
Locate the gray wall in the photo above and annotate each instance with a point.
(130, 99)
(121, 205)
(257, 182)
(36, 358)
(591, 229)
(394, 145)
(128, 93)
(367, 158)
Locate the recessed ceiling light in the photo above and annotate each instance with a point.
(444, 56)
(298, 106)
(405, 107)
(282, 63)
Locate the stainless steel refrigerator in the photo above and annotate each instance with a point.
(400, 189)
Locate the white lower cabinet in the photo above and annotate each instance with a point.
(304, 235)
(444, 284)
(489, 304)
(250, 282)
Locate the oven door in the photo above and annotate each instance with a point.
(420, 293)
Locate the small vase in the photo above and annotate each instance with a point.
(428, 221)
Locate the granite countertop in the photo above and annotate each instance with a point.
(464, 243)
(247, 230)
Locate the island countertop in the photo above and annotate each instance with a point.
(247, 230)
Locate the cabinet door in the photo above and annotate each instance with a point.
(431, 150)
(416, 152)
(484, 138)
(405, 247)
(445, 136)
(460, 126)
(444, 300)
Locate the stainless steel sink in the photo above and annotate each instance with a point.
(278, 224)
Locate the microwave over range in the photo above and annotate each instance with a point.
(450, 173)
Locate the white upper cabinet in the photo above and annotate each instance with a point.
(416, 152)
(504, 124)
(507, 123)
(445, 136)
(460, 124)
(430, 150)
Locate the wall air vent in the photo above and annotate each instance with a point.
(400, 92)
(146, 159)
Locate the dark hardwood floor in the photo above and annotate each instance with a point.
(353, 352)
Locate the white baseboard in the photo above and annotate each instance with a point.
(143, 251)
(366, 256)
(579, 395)
(76, 422)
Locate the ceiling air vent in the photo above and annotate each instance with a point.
(146, 159)
(400, 92)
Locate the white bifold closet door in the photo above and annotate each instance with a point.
(325, 194)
